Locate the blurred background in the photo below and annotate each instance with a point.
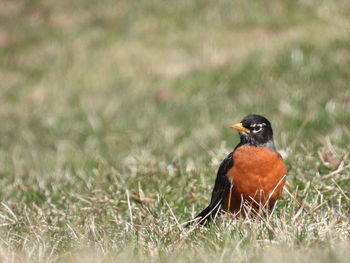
(112, 77)
(104, 95)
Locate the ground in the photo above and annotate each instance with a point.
(115, 116)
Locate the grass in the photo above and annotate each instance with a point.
(115, 116)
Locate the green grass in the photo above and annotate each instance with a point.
(115, 116)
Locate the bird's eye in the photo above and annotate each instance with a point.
(256, 128)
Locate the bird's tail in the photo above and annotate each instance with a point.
(208, 214)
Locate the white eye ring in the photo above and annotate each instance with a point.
(260, 126)
(256, 131)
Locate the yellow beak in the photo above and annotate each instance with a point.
(239, 127)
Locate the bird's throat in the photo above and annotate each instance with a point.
(248, 140)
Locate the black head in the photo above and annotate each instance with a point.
(255, 130)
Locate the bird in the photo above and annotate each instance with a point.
(251, 176)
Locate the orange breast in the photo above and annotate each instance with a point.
(258, 176)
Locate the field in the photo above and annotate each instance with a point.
(115, 116)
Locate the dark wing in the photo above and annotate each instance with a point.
(221, 190)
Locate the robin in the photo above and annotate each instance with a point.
(253, 175)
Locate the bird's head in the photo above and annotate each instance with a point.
(255, 130)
